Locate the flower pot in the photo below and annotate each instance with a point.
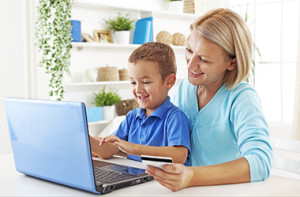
(176, 6)
(122, 37)
(108, 112)
(90, 75)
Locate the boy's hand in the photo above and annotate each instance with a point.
(105, 151)
(124, 146)
(94, 143)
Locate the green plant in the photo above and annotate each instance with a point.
(121, 23)
(53, 35)
(106, 97)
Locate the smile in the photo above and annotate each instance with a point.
(141, 98)
(195, 74)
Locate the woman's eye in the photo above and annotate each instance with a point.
(202, 60)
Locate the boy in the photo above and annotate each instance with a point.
(157, 128)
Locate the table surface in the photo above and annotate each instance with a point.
(13, 183)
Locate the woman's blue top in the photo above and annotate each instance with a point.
(232, 125)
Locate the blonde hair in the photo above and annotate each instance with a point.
(159, 53)
(229, 31)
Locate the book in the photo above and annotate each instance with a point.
(143, 31)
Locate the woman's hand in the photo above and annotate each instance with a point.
(173, 176)
(122, 145)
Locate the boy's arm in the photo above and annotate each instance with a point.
(177, 153)
(105, 151)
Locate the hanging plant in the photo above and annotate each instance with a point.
(53, 35)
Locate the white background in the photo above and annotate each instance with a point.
(273, 23)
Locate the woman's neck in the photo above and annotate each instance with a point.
(205, 94)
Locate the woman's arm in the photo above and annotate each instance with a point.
(176, 177)
(237, 171)
(252, 133)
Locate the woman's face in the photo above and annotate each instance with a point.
(206, 62)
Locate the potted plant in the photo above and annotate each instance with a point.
(120, 26)
(106, 99)
(53, 35)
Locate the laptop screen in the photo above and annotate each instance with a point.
(50, 141)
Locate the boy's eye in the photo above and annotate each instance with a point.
(146, 82)
(132, 83)
(188, 50)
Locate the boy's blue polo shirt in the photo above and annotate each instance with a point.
(166, 126)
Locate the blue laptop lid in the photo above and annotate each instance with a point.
(50, 141)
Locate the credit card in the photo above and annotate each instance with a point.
(155, 161)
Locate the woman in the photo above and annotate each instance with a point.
(230, 136)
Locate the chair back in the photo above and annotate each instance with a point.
(286, 155)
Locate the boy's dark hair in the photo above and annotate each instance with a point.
(157, 52)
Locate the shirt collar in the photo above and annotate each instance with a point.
(159, 112)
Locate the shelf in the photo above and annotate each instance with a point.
(101, 122)
(96, 4)
(89, 55)
(81, 45)
(90, 4)
(182, 16)
(88, 86)
(99, 83)
(90, 45)
(94, 86)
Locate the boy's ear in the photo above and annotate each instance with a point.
(171, 79)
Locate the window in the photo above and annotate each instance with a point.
(274, 25)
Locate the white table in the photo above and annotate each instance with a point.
(13, 183)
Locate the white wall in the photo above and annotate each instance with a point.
(13, 60)
(20, 77)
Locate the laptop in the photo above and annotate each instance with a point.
(50, 141)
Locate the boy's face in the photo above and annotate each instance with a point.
(147, 86)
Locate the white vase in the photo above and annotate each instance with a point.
(122, 37)
(108, 112)
(90, 75)
(176, 6)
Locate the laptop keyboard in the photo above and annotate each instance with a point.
(109, 176)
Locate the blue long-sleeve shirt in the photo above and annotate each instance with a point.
(230, 126)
